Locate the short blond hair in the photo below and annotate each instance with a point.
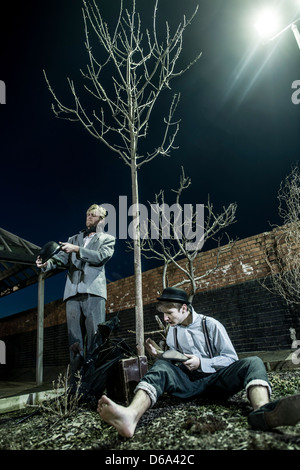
(95, 207)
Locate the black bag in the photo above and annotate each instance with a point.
(96, 368)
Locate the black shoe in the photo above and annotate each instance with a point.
(283, 412)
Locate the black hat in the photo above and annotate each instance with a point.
(172, 294)
(48, 250)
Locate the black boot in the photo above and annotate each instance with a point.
(283, 412)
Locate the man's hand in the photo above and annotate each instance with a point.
(193, 363)
(68, 247)
(39, 263)
(152, 348)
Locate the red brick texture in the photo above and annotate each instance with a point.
(242, 262)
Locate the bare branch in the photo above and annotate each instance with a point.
(143, 68)
(165, 237)
(127, 72)
(283, 253)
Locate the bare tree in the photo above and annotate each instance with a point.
(283, 254)
(138, 68)
(169, 235)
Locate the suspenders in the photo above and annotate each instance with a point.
(207, 340)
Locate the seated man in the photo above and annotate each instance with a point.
(211, 369)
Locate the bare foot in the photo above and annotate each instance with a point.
(116, 415)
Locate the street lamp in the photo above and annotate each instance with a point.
(267, 23)
(266, 26)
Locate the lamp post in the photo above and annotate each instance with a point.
(264, 27)
(294, 29)
(296, 33)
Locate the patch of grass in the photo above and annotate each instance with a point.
(284, 383)
(64, 401)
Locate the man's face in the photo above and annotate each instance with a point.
(174, 316)
(92, 218)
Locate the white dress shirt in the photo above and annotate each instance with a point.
(191, 340)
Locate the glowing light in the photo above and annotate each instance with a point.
(267, 23)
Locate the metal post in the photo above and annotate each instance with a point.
(40, 331)
(291, 26)
(296, 34)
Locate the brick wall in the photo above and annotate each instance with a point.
(256, 320)
(244, 261)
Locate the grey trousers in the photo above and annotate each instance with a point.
(84, 313)
(176, 380)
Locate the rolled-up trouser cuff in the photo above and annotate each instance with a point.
(149, 389)
(258, 382)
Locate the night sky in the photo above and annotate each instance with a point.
(238, 139)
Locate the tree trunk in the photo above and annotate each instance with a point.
(139, 318)
(130, 104)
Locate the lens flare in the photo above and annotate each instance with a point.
(267, 24)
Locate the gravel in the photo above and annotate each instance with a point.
(171, 425)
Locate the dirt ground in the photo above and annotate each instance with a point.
(171, 425)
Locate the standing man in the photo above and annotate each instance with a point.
(85, 255)
(218, 374)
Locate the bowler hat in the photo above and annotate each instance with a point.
(172, 294)
(48, 250)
